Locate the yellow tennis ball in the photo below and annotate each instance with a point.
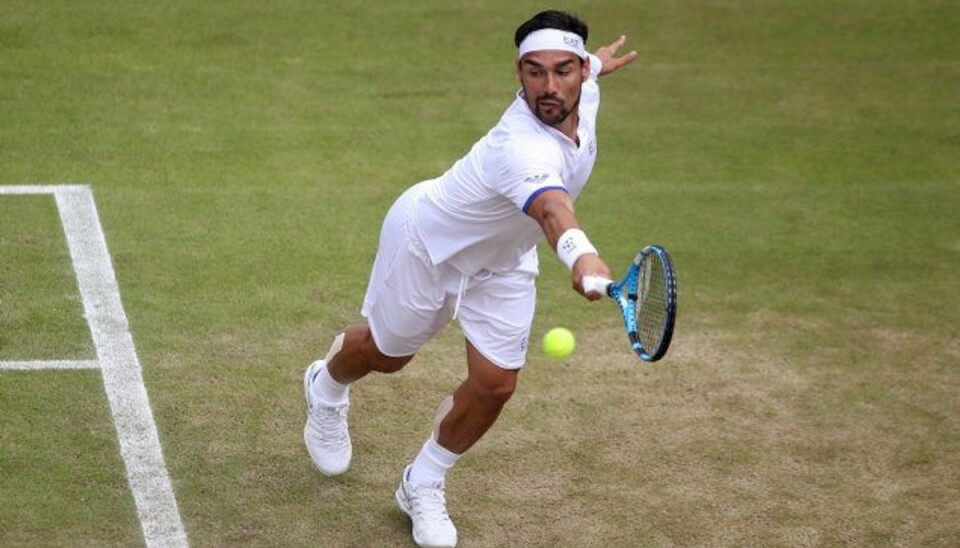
(558, 343)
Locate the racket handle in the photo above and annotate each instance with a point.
(595, 284)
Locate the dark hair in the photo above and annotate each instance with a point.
(551, 19)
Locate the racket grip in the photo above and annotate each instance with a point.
(595, 284)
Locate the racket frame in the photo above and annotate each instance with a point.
(625, 294)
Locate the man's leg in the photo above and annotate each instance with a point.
(405, 306)
(477, 402)
(352, 356)
(475, 406)
(359, 355)
(463, 419)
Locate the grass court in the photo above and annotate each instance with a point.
(800, 159)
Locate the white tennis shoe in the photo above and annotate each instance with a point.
(427, 507)
(326, 433)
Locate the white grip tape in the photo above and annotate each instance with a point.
(595, 284)
(572, 244)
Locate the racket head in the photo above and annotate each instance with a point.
(647, 296)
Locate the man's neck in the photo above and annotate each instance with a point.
(569, 126)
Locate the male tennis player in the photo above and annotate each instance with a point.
(463, 246)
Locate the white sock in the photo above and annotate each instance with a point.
(323, 387)
(431, 463)
(327, 390)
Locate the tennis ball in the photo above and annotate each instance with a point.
(558, 343)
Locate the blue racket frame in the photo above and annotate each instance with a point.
(625, 293)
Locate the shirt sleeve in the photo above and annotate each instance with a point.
(590, 91)
(529, 169)
(596, 65)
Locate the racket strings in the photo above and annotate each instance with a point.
(651, 310)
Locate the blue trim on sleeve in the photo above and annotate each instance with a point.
(538, 192)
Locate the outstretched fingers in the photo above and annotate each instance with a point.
(608, 56)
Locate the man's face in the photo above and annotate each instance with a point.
(551, 83)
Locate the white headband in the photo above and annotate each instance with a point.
(553, 39)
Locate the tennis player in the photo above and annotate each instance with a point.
(463, 246)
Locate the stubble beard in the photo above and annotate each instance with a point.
(561, 114)
(555, 120)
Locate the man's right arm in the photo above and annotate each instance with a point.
(553, 211)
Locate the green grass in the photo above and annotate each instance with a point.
(800, 159)
(62, 478)
(39, 305)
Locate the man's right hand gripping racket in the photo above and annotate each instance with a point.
(647, 297)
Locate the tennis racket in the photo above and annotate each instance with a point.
(647, 297)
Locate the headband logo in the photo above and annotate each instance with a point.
(571, 41)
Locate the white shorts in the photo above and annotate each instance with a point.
(409, 300)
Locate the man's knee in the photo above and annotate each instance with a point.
(488, 382)
(495, 389)
(389, 364)
(379, 361)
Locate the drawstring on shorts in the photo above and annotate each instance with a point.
(464, 281)
(463, 287)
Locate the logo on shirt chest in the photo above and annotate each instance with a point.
(592, 147)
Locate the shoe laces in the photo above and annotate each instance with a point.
(429, 501)
(331, 423)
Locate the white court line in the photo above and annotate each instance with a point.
(122, 378)
(37, 365)
(36, 189)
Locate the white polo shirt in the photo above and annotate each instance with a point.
(473, 217)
